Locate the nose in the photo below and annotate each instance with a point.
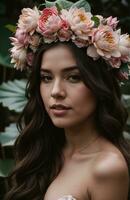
(58, 90)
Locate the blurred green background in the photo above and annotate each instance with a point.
(12, 82)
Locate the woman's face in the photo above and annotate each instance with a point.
(66, 98)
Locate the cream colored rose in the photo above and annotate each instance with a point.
(124, 44)
(105, 43)
(28, 19)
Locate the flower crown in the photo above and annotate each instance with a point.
(63, 21)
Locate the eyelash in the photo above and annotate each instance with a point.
(46, 78)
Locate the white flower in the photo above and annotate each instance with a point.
(18, 54)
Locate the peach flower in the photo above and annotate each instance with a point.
(105, 43)
(79, 21)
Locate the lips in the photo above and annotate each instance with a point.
(59, 110)
(59, 107)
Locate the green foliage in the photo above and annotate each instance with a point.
(12, 95)
(11, 27)
(125, 67)
(62, 3)
(8, 137)
(84, 4)
(5, 60)
(59, 8)
(67, 4)
(4, 45)
(6, 166)
(126, 101)
(96, 21)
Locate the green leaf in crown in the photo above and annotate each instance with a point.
(96, 21)
(125, 68)
(11, 27)
(64, 4)
(83, 4)
(59, 8)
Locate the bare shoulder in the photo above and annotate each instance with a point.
(110, 179)
(110, 164)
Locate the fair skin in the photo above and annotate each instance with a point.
(94, 169)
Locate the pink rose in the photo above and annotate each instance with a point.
(112, 22)
(64, 34)
(49, 22)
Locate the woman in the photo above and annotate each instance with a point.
(71, 144)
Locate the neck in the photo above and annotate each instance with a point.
(80, 139)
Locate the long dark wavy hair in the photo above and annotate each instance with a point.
(38, 149)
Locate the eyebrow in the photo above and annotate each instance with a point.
(67, 69)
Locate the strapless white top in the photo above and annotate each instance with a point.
(67, 197)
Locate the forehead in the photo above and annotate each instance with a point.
(60, 56)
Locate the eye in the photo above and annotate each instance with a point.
(75, 78)
(45, 78)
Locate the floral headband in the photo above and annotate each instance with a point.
(63, 21)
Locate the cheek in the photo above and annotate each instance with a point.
(84, 100)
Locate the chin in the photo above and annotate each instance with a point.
(63, 123)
